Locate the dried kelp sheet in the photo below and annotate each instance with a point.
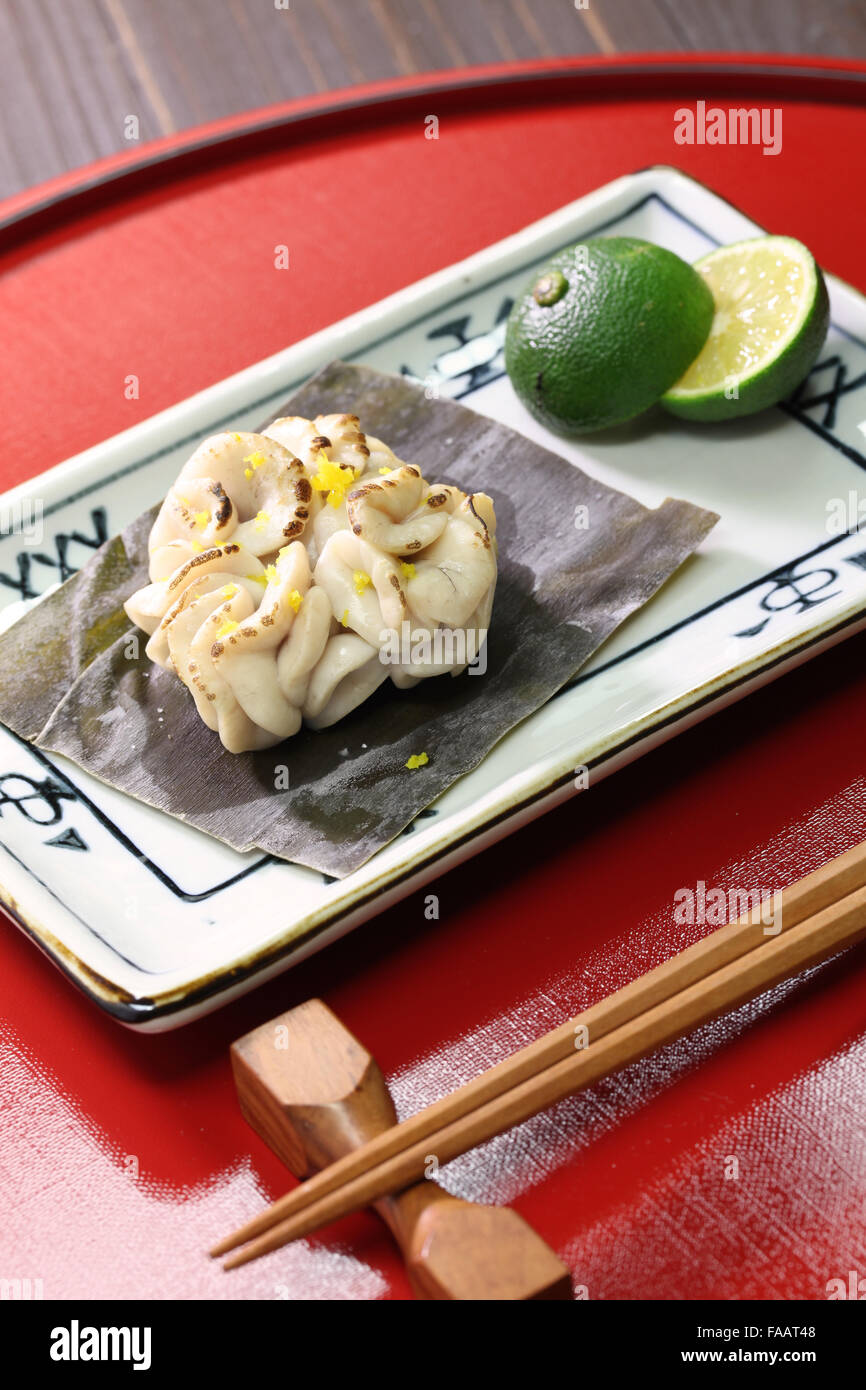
(68, 681)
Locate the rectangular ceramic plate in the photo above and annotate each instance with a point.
(157, 922)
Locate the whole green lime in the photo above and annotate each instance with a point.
(603, 331)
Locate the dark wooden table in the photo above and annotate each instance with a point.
(83, 78)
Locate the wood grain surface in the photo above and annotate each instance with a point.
(73, 72)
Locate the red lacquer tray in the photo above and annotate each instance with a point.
(125, 1156)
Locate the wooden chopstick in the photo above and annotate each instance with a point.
(803, 945)
(532, 1078)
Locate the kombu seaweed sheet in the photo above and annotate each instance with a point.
(69, 683)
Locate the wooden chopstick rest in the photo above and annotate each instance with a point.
(313, 1094)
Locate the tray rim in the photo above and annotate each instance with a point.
(179, 1006)
(71, 193)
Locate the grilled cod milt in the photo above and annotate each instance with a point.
(239, 487)
(337, 455)
(413, 574)
(244, 638)
(294, 571)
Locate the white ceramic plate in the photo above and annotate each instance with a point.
(157, 922)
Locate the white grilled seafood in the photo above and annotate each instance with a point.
(294, 571)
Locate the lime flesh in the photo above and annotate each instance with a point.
(771, 319)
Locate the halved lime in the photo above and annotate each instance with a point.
(771, 319)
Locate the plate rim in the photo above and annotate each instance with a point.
(823, 77)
